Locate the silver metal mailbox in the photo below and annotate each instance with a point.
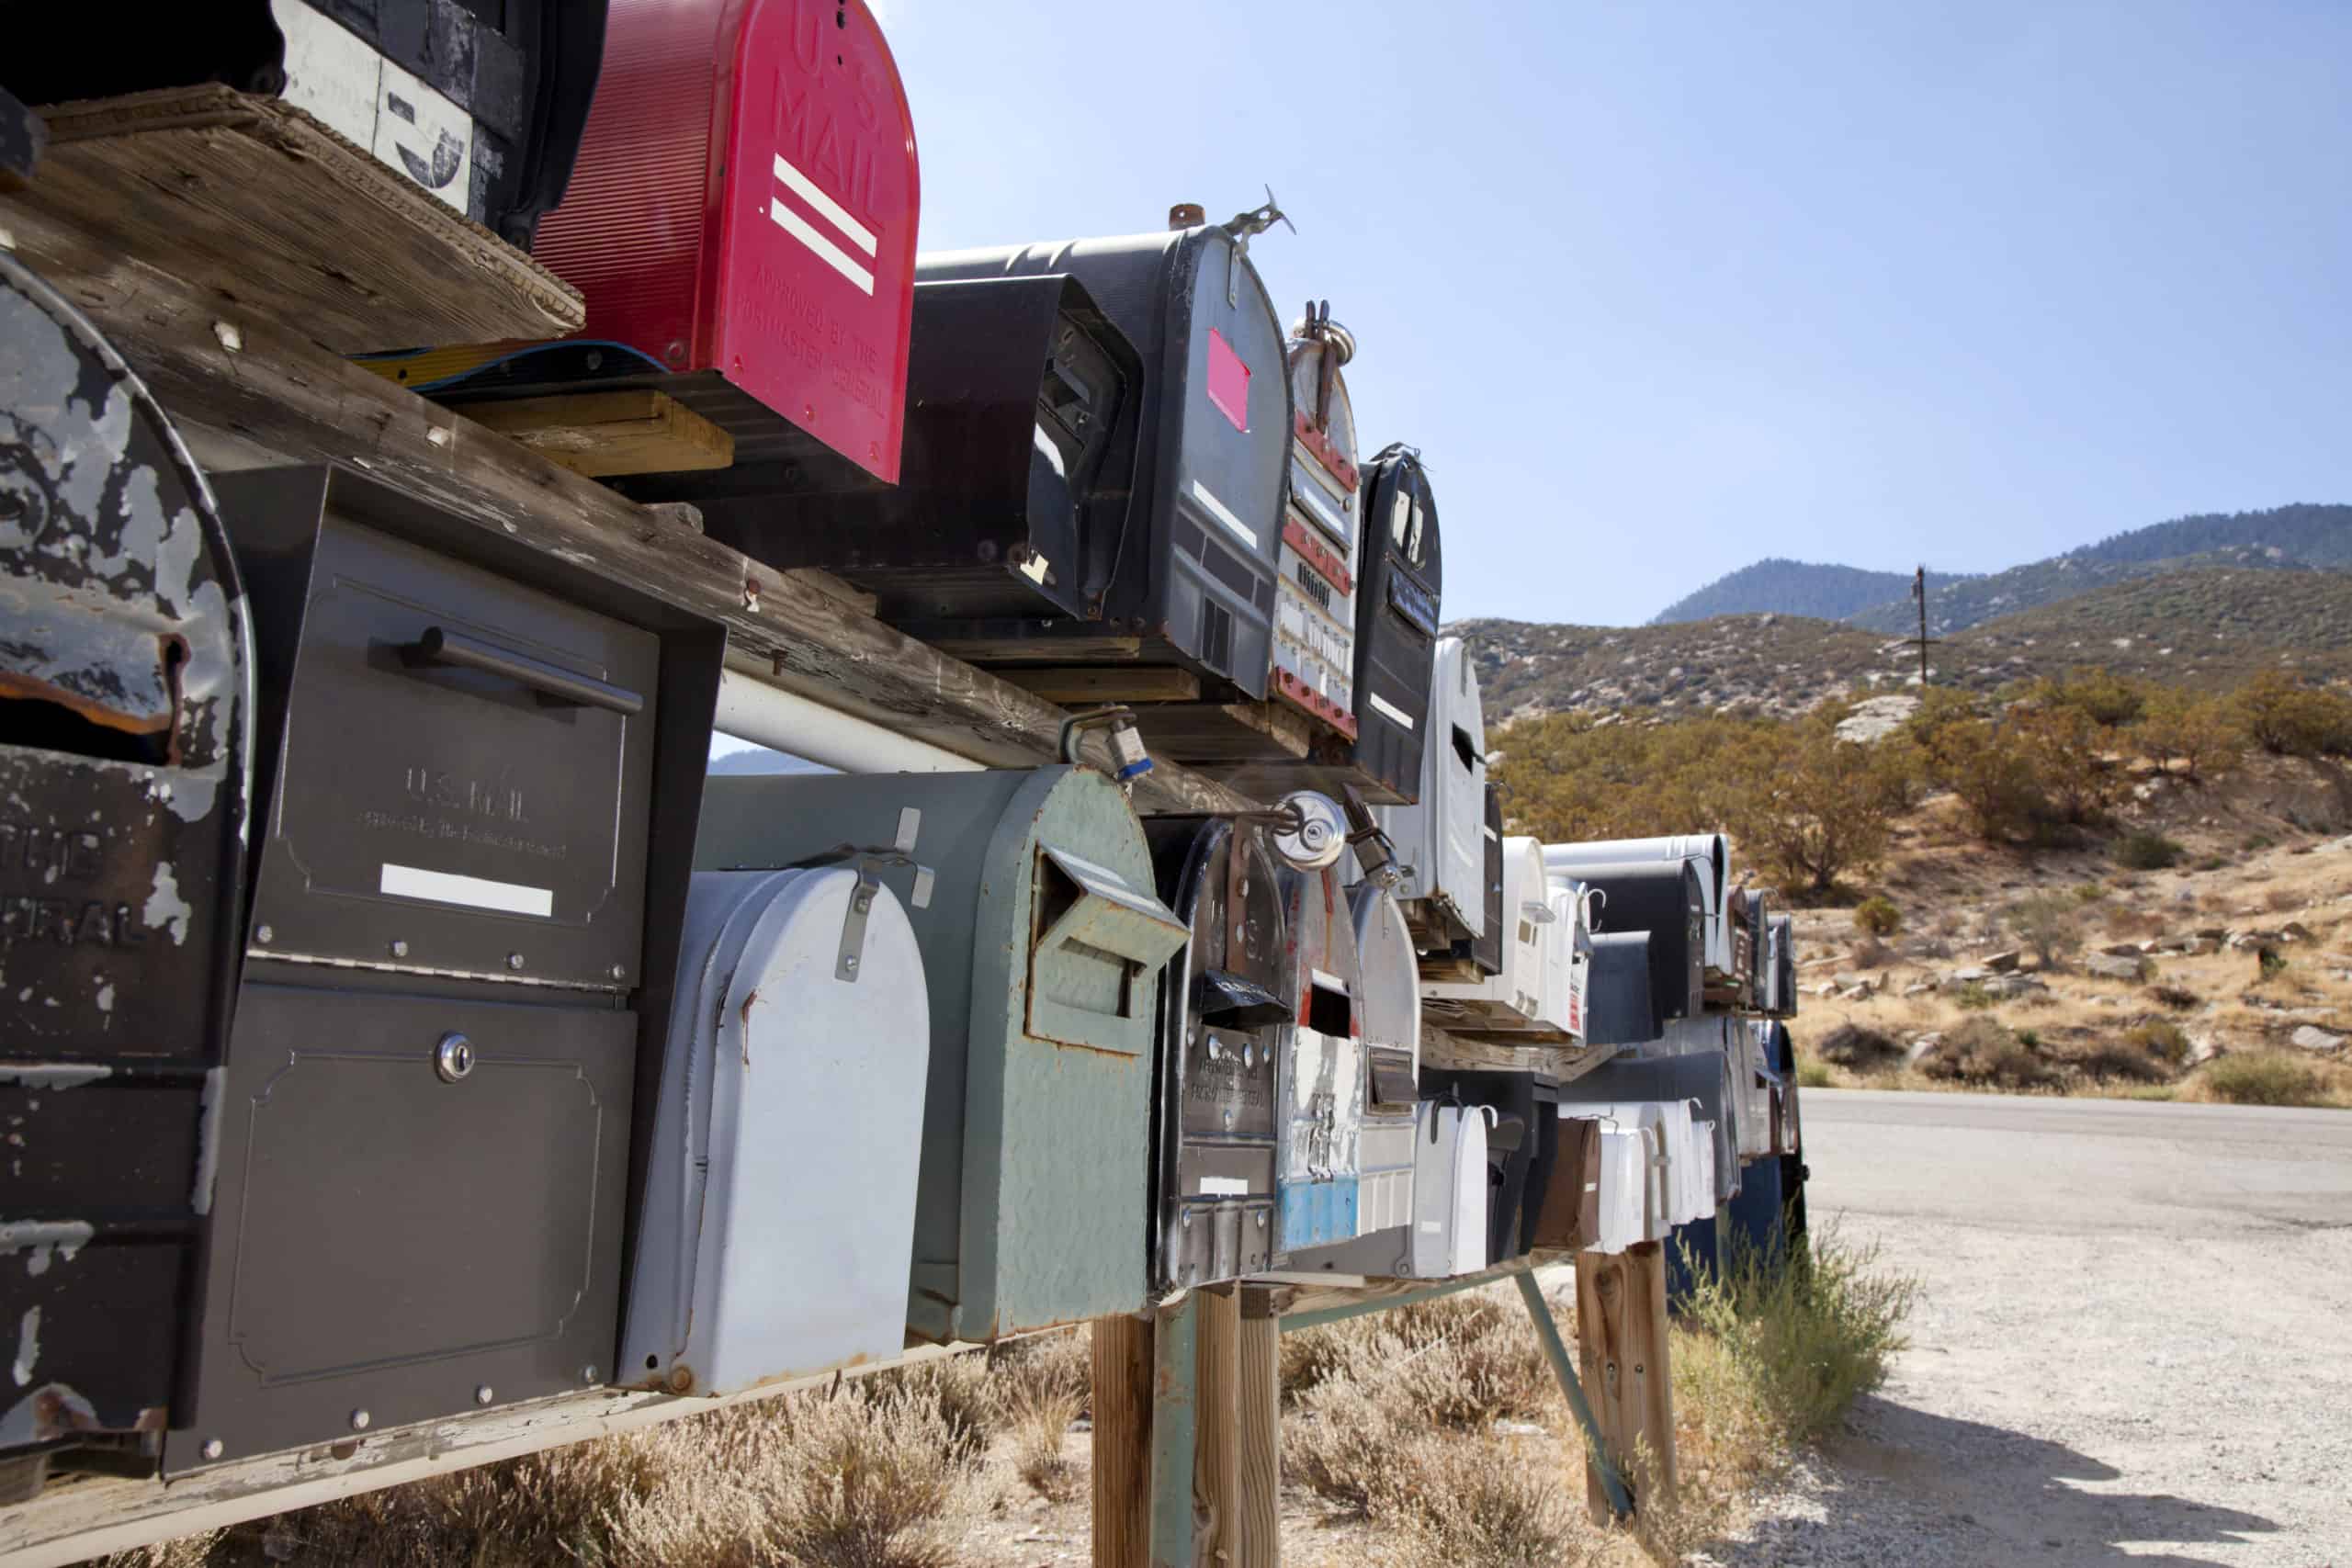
(780, 1193)
(1440, 839)
(1513, 1002)
(1043, 949)
(1322, 1081)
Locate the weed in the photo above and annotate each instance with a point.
(1038, 1430)
(2181, 999)
(1478, 1503)
(1982, 1050)
(2148, 852)
(1877, 916)
(2088, 893)
(2256, 843)
(2211, 863)
(2262, 1078)
(1813, 1073)
(1972, 997)
(2160, 1038)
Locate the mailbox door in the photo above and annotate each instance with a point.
(1440, 838)
(1397, 620)
(1449, 1191)
(1391, 1013)
(1323, 1076)
(125, 764)
(780, 1208)
(1223, 1008)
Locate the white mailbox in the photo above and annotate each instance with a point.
(1448, 1190)
(1390, 1013)
(780, 1188)
(1441, 839)
(1513, 1002)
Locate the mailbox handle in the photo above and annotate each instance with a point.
(442, 647)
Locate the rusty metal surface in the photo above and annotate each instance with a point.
(125, 696)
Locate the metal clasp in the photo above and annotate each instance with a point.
(869, 860)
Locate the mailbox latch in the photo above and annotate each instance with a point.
(869, 860)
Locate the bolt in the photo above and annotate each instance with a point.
(1187, 1220)
(1228, 1118)
(619, 970)
(514, 961)
(360, 1419)
(265, 935)
(850, 963)
(399, 948)
(214, 1448)
(865, 902)
(588, 1373)
(483, 1395)
(1262, 1219)
(230, 337)
(438, 435)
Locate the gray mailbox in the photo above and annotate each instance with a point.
(1043, 949)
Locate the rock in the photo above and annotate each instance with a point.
(1919, 988)
(2113, 966)
(2342, 844)
(2003, 963)
(1851, 1046)
(2294, 931)
(1858, 993)
(1960, 978)
(2122, 950)
(2010, 987)
(1827, 988)
(2311, 1037)
(1921, 1047)
(1874, 719)
(2213, 933)
(2202, 1048)
(1848, 980)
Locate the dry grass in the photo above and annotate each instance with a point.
(2270, 1078)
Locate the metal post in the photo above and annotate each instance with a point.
(1555, 1350)
(1174, 1422)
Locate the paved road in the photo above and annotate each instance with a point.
(2133, 1342)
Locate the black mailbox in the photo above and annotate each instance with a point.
(1013, 501)
(1396, 617)
(480, 775)
(1194, 584)
(1664, 898)
(125, 750)
(1223, 1007)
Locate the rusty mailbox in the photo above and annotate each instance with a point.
(1043, 951)
(126, 715)
(1223, 1006)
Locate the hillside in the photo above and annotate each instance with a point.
(1976, 600)
(2206, 627)
(1784, 587)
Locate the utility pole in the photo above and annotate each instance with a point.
(1919, 594)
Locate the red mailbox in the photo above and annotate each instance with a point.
(742, 214)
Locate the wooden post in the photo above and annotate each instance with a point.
(1216, 1446)
(1256, 1512)
(1622, 1343)
(1123, 1366)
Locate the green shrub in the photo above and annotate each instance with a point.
(2089, 892)
(1981, 1051)
(2148, 852)
(1812, 1074)
(2262, 1078)
(2256, 843)
(1812, 1332)
(1971, 998)
(2050, 923)
(1877, 916)
(2160, 1039)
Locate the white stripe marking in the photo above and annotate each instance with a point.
(827, 207)
(1389, 710)
(832, 255)
(446, 887)
(1224, 1187)
(1219, 511)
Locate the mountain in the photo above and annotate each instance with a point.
(1976, 600)
(2202, 625)
(1784, 587)
(759, 760)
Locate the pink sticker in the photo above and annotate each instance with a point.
(1228, 381)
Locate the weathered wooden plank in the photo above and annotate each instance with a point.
(1446, 1048)
(640, 431)
(255, 203)
(1122, 1441)
(1083, 685)
(1217, 733)
(1256, 1537)
(1216, 1445)
(1621, 1340)
(833, 588)
(262, 393)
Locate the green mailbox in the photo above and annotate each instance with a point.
(1043, 943)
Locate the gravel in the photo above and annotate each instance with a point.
(2133, 1341)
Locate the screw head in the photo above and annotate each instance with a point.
(850, 962)
(1228, 1118)
(588, 1373)
(1186, 1219)
(360, 1419)
(514, 961)
(264, 934)
(1262, 1219)
(483, 1395)
(619, 970)
(399, 948)
(214, 1448)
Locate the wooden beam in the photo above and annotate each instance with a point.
(1217, 1426)
(1256, 1537)
(261, 392)
(1622, 1342)
(640, 431)
(256, 204)
(1122, 1441)
(1085, 686)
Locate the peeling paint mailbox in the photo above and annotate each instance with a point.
(1043, 951)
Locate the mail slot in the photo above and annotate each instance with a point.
(126, 739)
(1011, 500)
(1194, 584)
(1315, 602)
(1513, 1001)
(1043, 947)
(1322, 1080)
(1440, 838)
(1397, 622)
(1224, 1007)
(780, 1192)
(462, 940)
(1663, 898)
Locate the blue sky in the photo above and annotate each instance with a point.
(1662, 287)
